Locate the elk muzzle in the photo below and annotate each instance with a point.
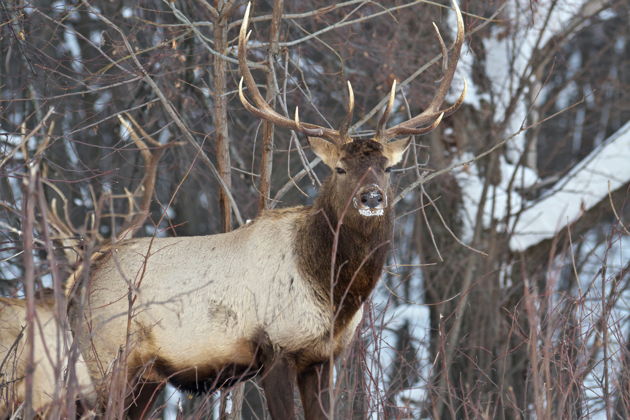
(370, 201)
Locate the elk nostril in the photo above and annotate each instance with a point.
(380, 198)
(364, 199)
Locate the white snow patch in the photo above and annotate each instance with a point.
(581, 189)
(70, 151)
(16, 118)
(47, 280)
(612, 254)
(71, 44)
(97, 37)
(508, 58)
(417, 318)
(124, 133)
(97, 10)
(102, 101)
(60, 7)
(127, 12)
(203, 200)
(567, 95)
(9, 138)
(416, 315)
(173, 402)
(463, 72)
(502, 200)
(165, 135)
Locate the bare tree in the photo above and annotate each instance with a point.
(504, 297)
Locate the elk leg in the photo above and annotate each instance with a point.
(313, 383)
(277, 378)
(142, 399)
(277, 382)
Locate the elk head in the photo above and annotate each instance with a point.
(360, 172)
(360, 166)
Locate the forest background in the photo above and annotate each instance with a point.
(506, 294)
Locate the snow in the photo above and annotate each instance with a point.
(608, 166)
(70, 11)
(502, 199)
(72, 45)
(102, 101)
(507, 60)
(173, 402)
(464, 72)
(382, 350)
(416, 315)
(127, 12)
(97, 38)
(613, 255)
(9, 138)
(71, 153)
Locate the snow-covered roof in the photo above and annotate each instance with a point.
(605, 169)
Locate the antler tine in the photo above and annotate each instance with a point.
(151, 159)
(345, 125)
(433, 111)
(262, 109)
(448, 111)
(443, 48)
(303, 128)
(421, 130)
(382, 122)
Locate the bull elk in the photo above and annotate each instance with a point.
(277, 296)
(50, 358)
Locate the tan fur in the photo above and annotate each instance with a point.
(14, 351)
(199, 305)
(327, 152)
(394, 150)
(205, 298)
(95, 259)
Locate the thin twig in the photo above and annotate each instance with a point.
(27, 137)
(166, 103)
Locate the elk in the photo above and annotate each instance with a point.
(279, 297)
(48, 351)
(51, 355)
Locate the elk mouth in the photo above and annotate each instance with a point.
(371, 212)
(371, 201)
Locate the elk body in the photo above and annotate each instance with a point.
(48, 352)
(277, 296)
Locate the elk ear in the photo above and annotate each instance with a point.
(394, 150)
(325, 150)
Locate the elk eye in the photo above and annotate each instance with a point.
(388, 169)
(340, 170)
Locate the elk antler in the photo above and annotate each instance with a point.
(265, 111)
(345, 125)
(151, 156)
(432, 114)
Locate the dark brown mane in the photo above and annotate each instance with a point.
(362, 244)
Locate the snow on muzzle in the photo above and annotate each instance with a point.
(370, 201)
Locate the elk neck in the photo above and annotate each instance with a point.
(362, 245)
